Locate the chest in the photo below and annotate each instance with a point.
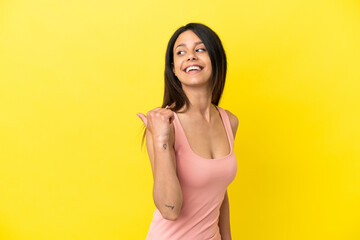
(207, 140)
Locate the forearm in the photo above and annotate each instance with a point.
(224, 219)
(167, 190)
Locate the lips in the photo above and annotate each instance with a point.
(193, 65)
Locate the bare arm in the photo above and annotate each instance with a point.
(224, 219)
(167, 192)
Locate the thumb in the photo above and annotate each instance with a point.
(143, 118)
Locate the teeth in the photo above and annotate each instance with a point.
(193, 67)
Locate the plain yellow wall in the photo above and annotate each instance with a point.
(73, 75)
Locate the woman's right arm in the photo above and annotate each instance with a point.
(167, 192)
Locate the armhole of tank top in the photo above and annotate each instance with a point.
(227, 123)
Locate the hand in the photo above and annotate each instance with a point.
(158, 122)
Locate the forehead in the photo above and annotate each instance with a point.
(188, 38)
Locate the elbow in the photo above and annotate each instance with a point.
(169, 209)
(171, 216)
(172, 212)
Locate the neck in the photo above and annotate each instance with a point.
(200, 102)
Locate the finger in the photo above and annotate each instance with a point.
(165, 111)
(143, 118)
(156, 109)
(153, 112)
(169, 115)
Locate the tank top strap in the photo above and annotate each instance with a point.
(226, 121)
(180, 137)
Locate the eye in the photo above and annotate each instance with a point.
(178, 53)
(202, 49)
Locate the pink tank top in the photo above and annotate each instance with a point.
(203, 182)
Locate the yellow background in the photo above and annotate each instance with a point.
(73, 75)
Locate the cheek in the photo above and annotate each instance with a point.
(210, 66)
(178, 68)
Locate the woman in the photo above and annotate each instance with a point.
(190, 141)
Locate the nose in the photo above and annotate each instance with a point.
(191, 55)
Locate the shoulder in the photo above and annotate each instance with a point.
(234, 121)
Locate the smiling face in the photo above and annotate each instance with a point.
(190, 51)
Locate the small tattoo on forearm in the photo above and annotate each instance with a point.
(164, 145)
(172, 207)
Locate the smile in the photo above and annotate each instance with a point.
(193, 69)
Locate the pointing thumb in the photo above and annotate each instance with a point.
(143, 118)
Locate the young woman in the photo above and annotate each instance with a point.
(190, 141)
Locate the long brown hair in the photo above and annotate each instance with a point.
(173, 92)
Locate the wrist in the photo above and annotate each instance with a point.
(159, 139)
(161, 143)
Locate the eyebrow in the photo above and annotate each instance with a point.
(183, 44)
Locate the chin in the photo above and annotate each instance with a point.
(195, 83)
